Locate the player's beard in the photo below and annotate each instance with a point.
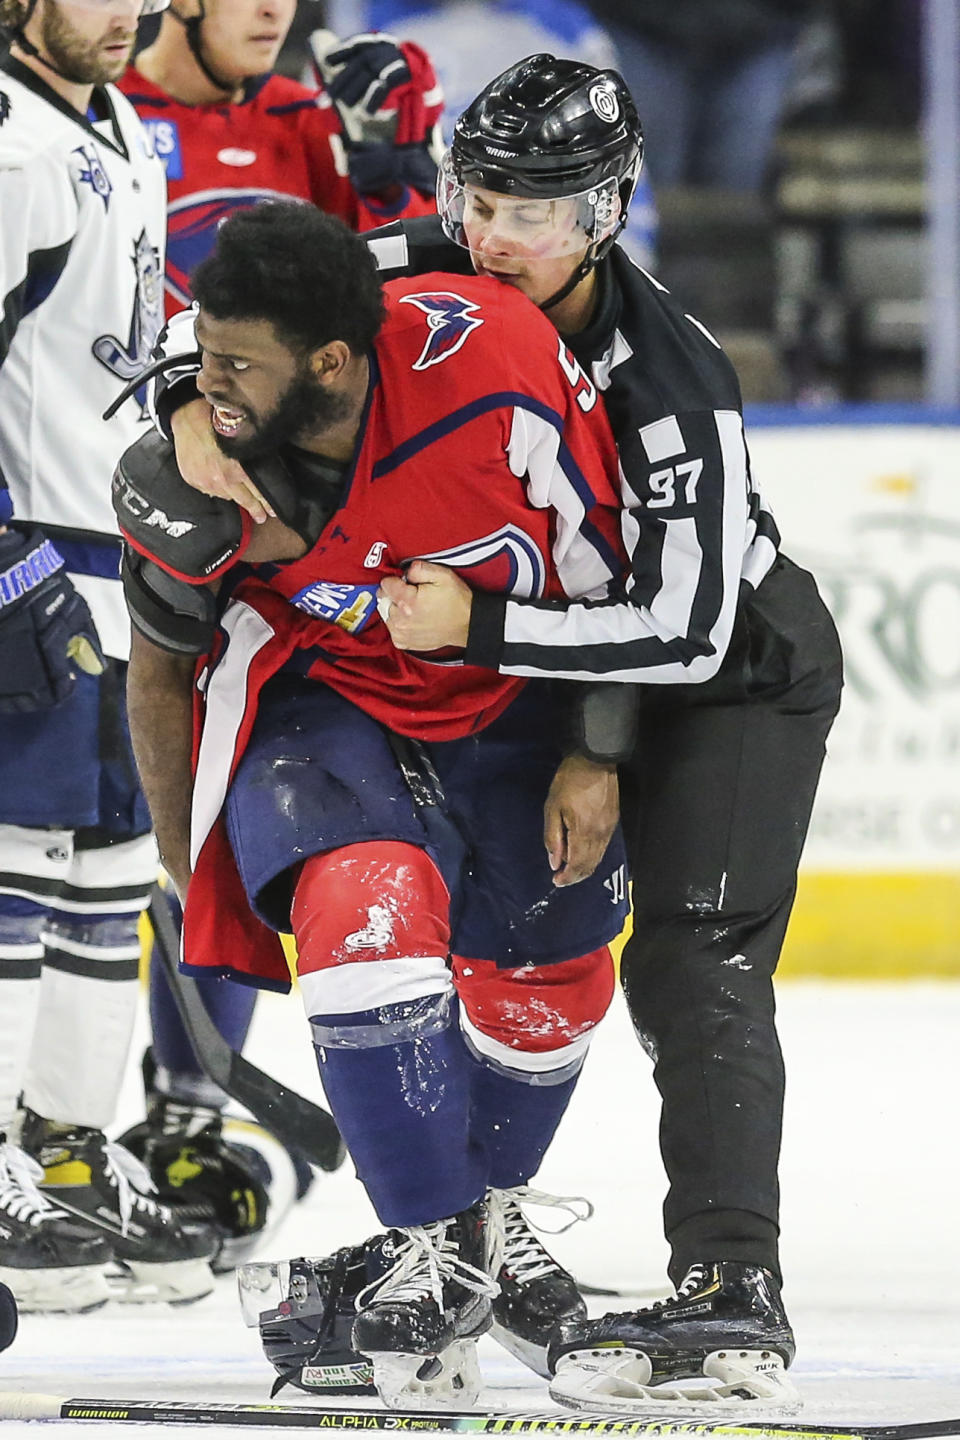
(304, 411)
(78, 60)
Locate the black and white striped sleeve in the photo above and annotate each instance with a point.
(689, 521)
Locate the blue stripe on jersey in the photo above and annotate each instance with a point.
(91, 557)
(44, 268)
(291, 106)
(458, 418)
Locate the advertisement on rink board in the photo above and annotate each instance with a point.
(874, 511)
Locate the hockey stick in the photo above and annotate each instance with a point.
(296, 1121)
(15, 1406)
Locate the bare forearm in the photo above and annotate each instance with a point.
(159, 704)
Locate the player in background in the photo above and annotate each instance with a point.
(738, 670)
(378, 439)
(82, 221)
(231, 133)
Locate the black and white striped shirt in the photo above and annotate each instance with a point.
(695, 527)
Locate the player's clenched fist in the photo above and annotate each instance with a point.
(426, 609)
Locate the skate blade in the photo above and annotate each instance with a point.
(423, 1382)
(532, 1355)
(67, 1290)
(734, 1380)
(177, 1282)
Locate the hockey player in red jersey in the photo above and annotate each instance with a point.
(231, 133)
(454, 430)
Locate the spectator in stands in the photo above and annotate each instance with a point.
(710, 78)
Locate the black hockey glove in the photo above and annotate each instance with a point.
(389, 103)
(46, 631)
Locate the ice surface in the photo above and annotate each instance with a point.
(870, 1178)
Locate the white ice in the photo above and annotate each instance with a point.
(870, 1178)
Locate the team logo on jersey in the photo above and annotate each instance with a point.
(604, 102)
(127, 359)
(374, 556)
(4, 106)
(165, 136)
(450, 319)
(508, 561)
(93, 174)
(352, 607)
(192, 225)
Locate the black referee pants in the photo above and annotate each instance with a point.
(716, 802)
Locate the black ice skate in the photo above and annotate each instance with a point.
(305, 1309)
(420, 1322)
(51, 1261)
(230, 1174)
(536, 1293)
(155, 1257)
(723, 1338)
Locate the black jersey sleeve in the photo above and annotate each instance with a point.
(694, 526)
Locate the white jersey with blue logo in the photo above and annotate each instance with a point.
(82, 227)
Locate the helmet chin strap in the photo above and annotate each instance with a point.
(589, 262)
(16, 34)
(194, 39)
(571, 283)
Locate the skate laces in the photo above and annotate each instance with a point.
(20, 1195)
(132, 1181)
(514, 1245)
(426, 1257)
(689, 1285)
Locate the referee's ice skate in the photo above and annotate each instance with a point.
(723, 1340)
(420, 1322)
(155, 1257)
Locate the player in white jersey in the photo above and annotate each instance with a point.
(82, 227)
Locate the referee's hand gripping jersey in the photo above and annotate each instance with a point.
(737, 672)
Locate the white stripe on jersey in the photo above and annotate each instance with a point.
(533, 451)
(225, 704)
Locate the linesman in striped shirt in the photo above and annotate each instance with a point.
(711, 683)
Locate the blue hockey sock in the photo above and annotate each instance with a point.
(397, 1080)
(513, 1117)
(229, 1005)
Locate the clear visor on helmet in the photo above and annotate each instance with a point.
(264, 1287)
(145, 7)
(542, 227)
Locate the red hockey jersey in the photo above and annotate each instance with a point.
(483, 448)
(282, 140)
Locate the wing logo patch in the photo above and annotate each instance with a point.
(450, 319)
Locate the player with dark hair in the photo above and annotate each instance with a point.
(737, 670)
(386, 808)
(232, 134)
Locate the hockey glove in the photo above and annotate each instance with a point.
(389, 102)
(46, 631)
